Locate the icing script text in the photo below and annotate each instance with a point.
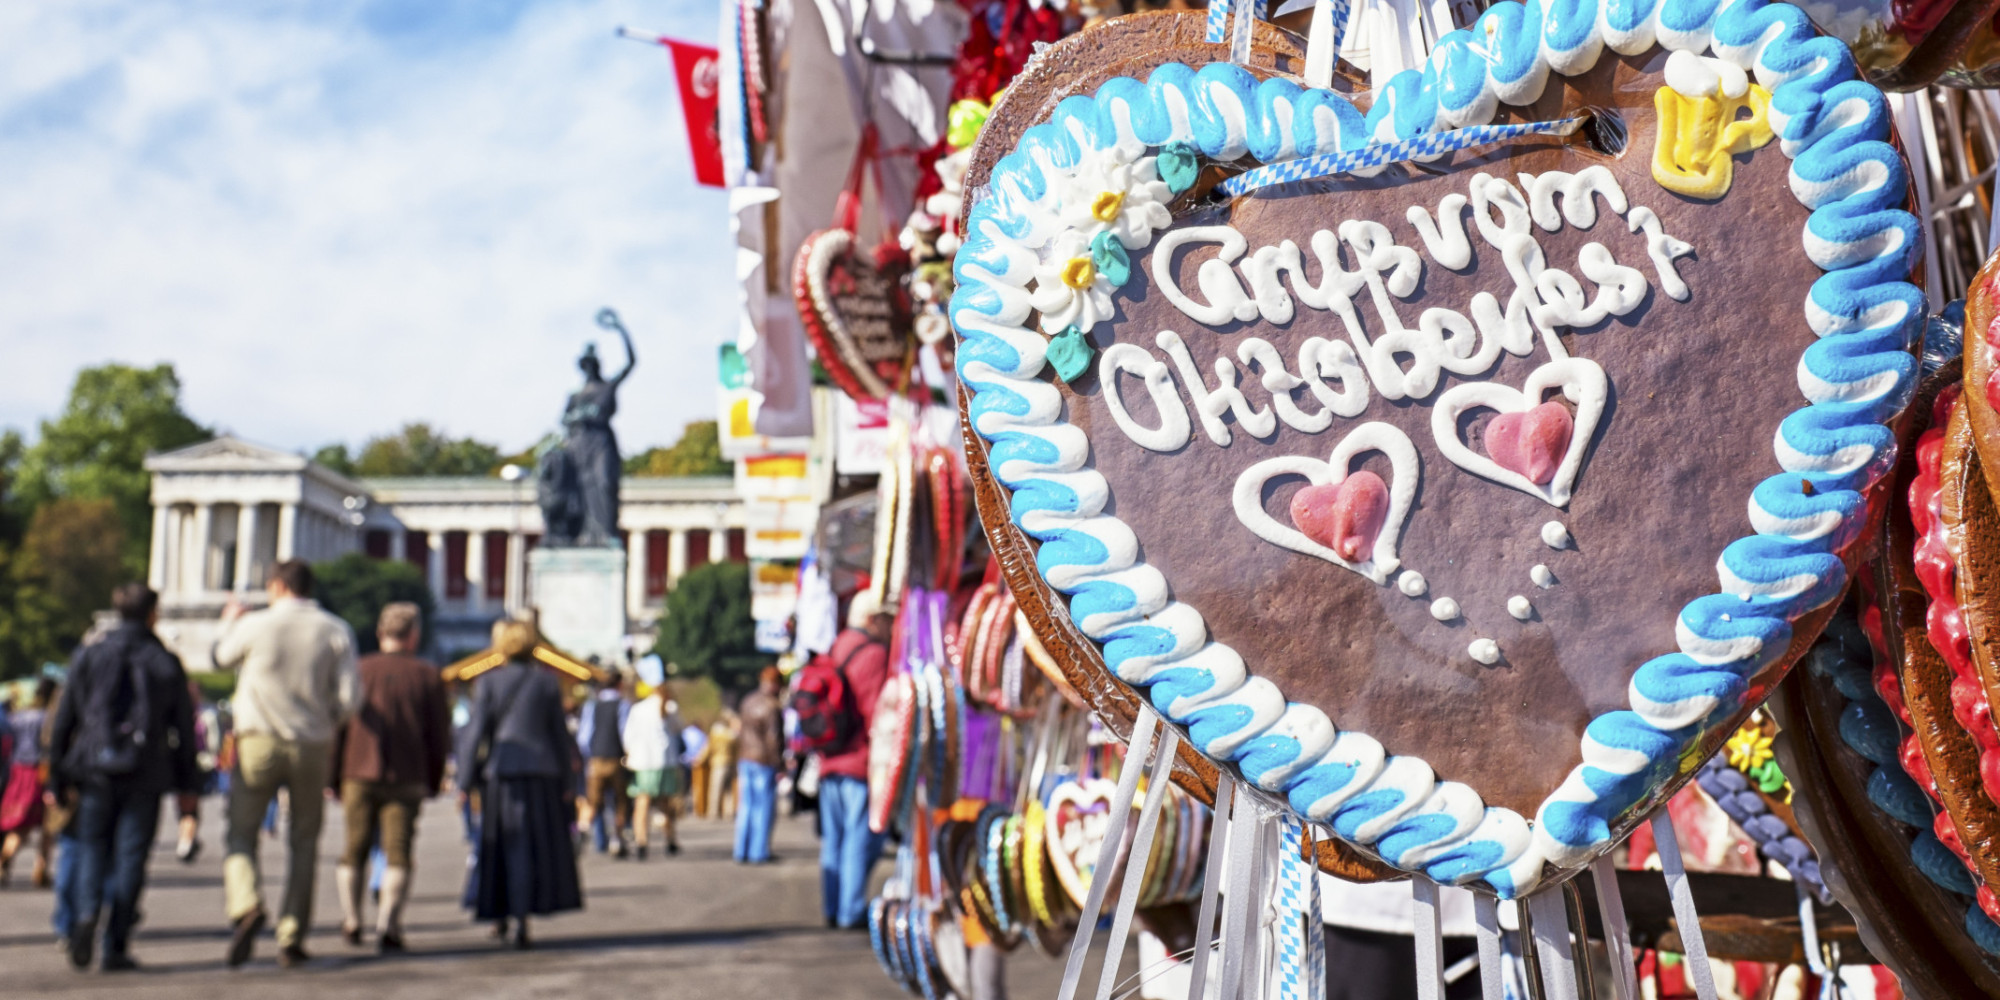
(1398, 361)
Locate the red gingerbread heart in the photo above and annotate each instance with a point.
(1531, 443)
(1344, 516)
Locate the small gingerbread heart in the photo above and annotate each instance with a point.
(1533, 442)
(1345, 516)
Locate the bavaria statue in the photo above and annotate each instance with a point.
(576, 480)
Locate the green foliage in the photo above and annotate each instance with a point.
(54, 581)
(356, 587)
(215, 685)
(96, 449)
(707, 631)
(418, 449)
(697, 453)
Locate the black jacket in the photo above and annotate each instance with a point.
(517, 710)
(170, 726)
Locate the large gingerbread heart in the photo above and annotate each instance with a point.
(1558, 370)
(855, 310)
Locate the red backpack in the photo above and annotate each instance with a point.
(829, 719)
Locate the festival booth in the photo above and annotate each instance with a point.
(1530, 455)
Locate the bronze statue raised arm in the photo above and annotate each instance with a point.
(577, 480)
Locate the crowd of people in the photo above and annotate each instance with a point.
(541, 771)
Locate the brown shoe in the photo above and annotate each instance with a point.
(292, 956)
(243, 936)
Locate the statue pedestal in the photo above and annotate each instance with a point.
(579, 598)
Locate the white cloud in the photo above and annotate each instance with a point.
(333, 223)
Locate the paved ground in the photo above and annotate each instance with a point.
(692, 926)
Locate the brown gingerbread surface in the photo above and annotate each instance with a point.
(1685, 437)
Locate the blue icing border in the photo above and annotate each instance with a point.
(1860, 372)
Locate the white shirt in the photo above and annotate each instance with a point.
(647, 736)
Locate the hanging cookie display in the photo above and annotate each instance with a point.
(1462, 464)
(853, 301)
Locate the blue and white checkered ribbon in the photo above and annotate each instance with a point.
(1301, 964)
(1428, 145)
(1218, 18)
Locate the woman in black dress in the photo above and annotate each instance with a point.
(521, 766)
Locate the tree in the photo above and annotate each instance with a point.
(697, 453)
(96, 449)
(57, 578)
(707, 630)
(418, 449)
(355, 587)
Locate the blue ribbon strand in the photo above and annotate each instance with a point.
(1430, 144)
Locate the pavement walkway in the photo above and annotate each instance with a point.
(696, 926)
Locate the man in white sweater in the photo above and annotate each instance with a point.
(296, 683)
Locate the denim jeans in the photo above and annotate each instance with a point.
(66, 852)
(759, 785)
(114, 832)
(847, 849)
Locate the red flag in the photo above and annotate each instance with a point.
(700, 78)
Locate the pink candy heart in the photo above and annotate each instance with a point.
(1531, 443)
(1344, 516)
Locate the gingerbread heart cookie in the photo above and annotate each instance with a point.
(1416, 492)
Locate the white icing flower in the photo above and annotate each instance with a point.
(947, 203)
(1068, 289)
(1113, 192)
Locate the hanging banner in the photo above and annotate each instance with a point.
(861, 435)
(696, 68)
(737, 405)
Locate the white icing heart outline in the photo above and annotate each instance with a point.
(1375, 435)
(1582, 383)
(1082, 795)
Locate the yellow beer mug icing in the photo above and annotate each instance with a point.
(1699, 127)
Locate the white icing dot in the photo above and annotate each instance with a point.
(1412, 584)
(1542, 577)
(1555, 535)
(1485, 651)
(1519, 607)
(1444, 609)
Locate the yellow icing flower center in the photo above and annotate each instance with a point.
(1105, 208)
(1698, 135)
(1079, 273)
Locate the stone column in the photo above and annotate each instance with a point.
(246, 546)
(288, 530)
(677, 556)
(204, 544)
(475, 571)
(434, 565)
(517, 571)
(156, 558)
(635, 573)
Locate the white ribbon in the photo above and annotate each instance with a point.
(1685, 918)
(1617, 933)
(1107, 855)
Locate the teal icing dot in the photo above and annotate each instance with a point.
(1069, 353)
(1179, 164)
(1108, 256)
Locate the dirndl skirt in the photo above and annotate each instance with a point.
(526, 860)
(21, 806)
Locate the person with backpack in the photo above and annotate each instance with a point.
(123, 736)
(835, 701)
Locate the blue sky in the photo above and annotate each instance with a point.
(336, 217)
